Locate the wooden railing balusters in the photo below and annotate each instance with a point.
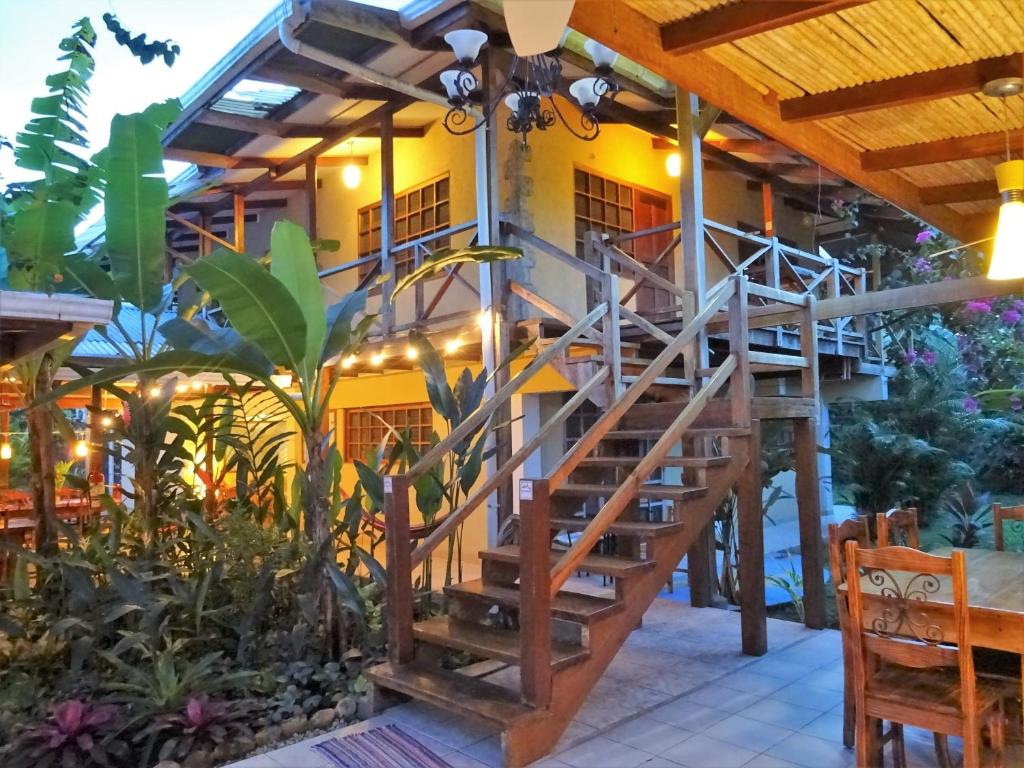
(611, 342)
(740, 392)
(535, 592)
(399, 587)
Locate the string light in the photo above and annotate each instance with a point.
(196, 386)
(376, 358)
(411, 353)
(155, 391)
(283, 380)
(349, 361)
(82, 449)
(453, 345)
(181, 388)
(106, 421)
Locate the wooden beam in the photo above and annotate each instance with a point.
(213, 160)
(623, 28)
(261, 125)
(965, 192)
(909, 89)
(311, 197)
(942, 151)
(326, 86)
(751, 146)
(742, 19)
(238, 204)
(355, 128)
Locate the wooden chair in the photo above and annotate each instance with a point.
(1001, 516)
(912, 664)
(838, 535)
(898, 528)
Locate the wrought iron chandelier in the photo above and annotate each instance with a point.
(528, 91)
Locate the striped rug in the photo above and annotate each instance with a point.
(385, 747)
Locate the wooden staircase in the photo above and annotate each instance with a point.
(593, 514)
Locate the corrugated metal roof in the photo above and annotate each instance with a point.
(109, 343)
(255, 98)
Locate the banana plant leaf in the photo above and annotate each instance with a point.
(446, 258)
(37, 238)
(257, 304)
(294, 264)
(438, 390)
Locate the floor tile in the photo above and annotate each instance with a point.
(751, 682)
(803, 695)
(687, 715)
(725, 699)
(487, 752)
(809, 752)
(767, 761)
(784, 714)
(648, 734)
(703, 752)
(747, 733)
(603, 753)
(828, 727)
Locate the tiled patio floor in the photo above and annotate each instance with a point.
(678, 694)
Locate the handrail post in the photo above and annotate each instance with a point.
(740, 392)
(612, 343)
(399, 585)
(534, 592)
(774, 278)
(592, 256)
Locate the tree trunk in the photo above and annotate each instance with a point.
(43, 476)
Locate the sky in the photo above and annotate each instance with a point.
(30, 31)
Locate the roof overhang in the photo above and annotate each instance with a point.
(31, 323)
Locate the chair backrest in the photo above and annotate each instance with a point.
(898, 528)
(1007, 517)
(855, 529)
(900, 613)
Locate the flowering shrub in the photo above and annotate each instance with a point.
(76, 733)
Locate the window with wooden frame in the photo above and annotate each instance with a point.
(365, 427)
(419, 212)
(602, 205)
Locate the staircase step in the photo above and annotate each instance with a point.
(663, 492)
(493, 643)
(689, 462)
(570, 606)
(641, 528)
(616, 567)
(654, 434)
(467, 696)
(665, 381)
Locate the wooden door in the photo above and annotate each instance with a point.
(652, 210)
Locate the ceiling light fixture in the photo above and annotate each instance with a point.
(530, 85)
(351, 175)
(1008, 252)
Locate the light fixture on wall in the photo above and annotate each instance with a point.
(81, 449)
(351, 175)
(674, 165)
(5, 451)
(530, 85)
(1008, 252)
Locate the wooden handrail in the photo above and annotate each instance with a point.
(645, 325)
(552, 250)
(627, 236)
(628, 262)
(475, 419)
(628, 489)
(547, 307)
(452, 230)
(596, 433)
(480, 495)
(200, 231)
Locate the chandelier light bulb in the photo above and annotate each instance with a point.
(601, 55)
(587, 91)
(450, 81)
(466, 44)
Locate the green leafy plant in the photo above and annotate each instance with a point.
(792, 581)
(968, 514)
(76, 733)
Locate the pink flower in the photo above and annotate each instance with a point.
(977, 307)
(928, 357)
(1010, 317)
(924, 236)
(910, 357)
(971, 405)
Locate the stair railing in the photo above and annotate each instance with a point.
(735, 369)
(401, 558)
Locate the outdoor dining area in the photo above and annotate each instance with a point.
(933, 641)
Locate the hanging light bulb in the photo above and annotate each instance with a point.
(376, 358)
(155, 391)
(5, 451)
(282, 380)
(351, 176)
(81, 449)
(453, 345)
(349, 361)
(674, 165)
(106, 421)
(181, 388)
(411, 353)
(1008, 253)
(196, 386)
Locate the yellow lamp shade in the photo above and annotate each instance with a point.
(674, 165)
(351, 176)
(1008, 252)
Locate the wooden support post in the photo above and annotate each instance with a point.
(205, 243)
(311, 198)
(534, 591)
(612, 347)
(808, 492)
(399, 569)
(740, 387)
(753, 612)
(96, 453)
(387, 218)
(5, 437)
(701, 568)
(238, 202)
(768, 208)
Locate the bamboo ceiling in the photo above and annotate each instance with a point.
(842, 50)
